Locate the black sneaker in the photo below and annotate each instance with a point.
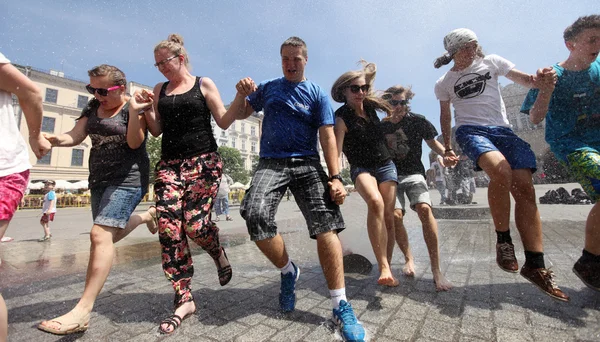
(589, 273)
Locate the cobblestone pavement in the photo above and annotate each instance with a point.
(43, 280)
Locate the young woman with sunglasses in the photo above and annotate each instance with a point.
(119, 169)
(358, 135)
(189, 172)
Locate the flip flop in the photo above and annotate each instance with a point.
(173, 321)
(67, 327)
(6, 239)
(224, 272)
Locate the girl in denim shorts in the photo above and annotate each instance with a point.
(484, 135)
(119, 169)
(372, 170)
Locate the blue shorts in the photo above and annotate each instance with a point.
(382, 174)
(112, 205)
(477, 140)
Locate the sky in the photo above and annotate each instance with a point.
(229, 40)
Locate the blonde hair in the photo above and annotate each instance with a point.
(115, 75)
(368, 72)
(175, 45)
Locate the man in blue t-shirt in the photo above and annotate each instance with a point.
(572, 111)
(295, 111)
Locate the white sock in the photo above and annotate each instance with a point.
(288, 267)
(337, 296)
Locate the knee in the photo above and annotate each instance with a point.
(398, 215)
(375, 204)
(423, 211)
(99, 235)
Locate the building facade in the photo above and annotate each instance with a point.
(63, 100)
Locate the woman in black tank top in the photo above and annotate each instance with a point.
(189, 172)
(358, 134)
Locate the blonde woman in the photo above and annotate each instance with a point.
(359, 136)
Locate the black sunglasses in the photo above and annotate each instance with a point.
(398, 102)
(356, 88)
(100, 91)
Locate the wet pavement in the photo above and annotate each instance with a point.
(43, 280)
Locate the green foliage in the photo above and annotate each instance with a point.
(346, 176)
(233, 164)
(153, 146)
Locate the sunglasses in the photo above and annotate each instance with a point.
(100, 91)
(356, 88)
(164, 61)
(398, 102)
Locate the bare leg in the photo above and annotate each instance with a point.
(46, 227)
(330, 256)
(401, 237)
(527, 216)
(134, 221)
(274, 249)
(592, 230)
(369, 191)
(430, 234)
(99, 265)
(3, 320)
(497, 168)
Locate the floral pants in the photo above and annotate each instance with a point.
(185, 191)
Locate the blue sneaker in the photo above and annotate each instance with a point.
(350, 327)
(287, 294)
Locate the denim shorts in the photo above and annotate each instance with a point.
(382, 174)
(477, 140)
(112, 205)
(415, 188)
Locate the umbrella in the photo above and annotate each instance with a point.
(237, 186)
(82, 184)
(35, 186)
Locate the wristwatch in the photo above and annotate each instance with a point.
(338, 177)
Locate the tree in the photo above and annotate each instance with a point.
(233, 164)
(255, 160)
(153, 146)
(346, 179)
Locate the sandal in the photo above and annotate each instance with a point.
(224, 272)
(67, 326)
(152, 225)
(229, 218)
(6, 239)
(45, 238)
(173, 321)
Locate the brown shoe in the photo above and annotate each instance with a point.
(544, 279)
(589, 273)
(505, 257)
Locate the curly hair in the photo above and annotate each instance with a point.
(582, 23)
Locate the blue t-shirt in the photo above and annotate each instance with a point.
(293, 114)
(573, 118)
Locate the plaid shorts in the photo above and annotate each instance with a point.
(308, 183)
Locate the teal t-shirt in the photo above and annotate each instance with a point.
(573, 118)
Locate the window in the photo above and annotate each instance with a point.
(223, 133)
(82, 101)
(77, 157)
(233, 142)
(243, 145)
(48, 124)
(223, 143)
(45, 160)
(242, 127)
(51, 95)
(253, 147)
(253, 131)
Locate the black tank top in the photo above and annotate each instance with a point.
(185, 123)
(364, 143)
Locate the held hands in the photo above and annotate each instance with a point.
(337, 191)
(52, 139)
(545, 79)
(141, 100)
(246, 86)
(450, 159)
(40, 145)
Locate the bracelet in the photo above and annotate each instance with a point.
(448, 150)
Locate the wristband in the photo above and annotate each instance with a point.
(448, 150)
(338, 177)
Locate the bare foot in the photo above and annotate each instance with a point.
(441, 283)
(71, 322)
(152, 224)
(183, 311)
(409, 269)
(387, 279)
